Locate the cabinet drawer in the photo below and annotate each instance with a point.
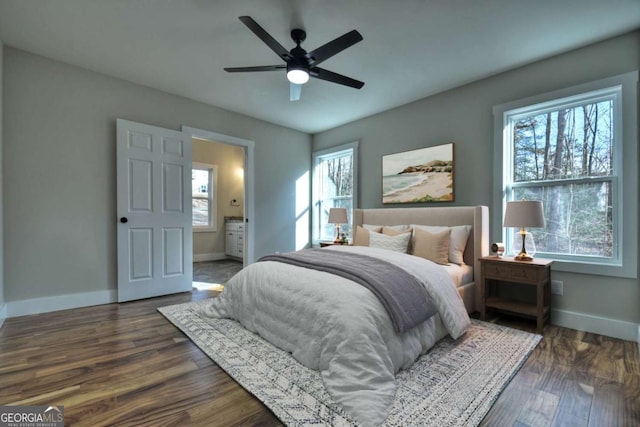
(235, 226)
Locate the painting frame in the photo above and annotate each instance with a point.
(423, 175)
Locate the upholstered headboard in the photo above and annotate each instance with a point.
(477, 245)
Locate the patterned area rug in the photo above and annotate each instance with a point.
(454, 384)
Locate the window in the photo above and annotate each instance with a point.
(565, 155)
(203, 200)
(567, 151)
(334, 185)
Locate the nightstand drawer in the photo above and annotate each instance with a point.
(497, 271)
(519, 273)
(524, 274)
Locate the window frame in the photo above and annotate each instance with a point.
(624, 178)
(212, 170)
(317, 157)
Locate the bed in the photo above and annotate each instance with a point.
(330, 323)
(477, 244)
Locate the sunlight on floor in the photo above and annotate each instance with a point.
(208, 286)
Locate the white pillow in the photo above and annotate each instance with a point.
(398, 243)
(459, 237)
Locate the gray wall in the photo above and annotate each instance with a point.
(464, 116)
(59, 171)
(2, 292)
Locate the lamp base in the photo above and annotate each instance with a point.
(337, 239)
(523, 256)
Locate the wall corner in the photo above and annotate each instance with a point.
(3, 306)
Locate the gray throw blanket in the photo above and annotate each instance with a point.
(403, 296)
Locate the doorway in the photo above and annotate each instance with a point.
(222, 202)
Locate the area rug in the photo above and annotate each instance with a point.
(454, 384)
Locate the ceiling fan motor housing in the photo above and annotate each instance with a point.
(298, 35)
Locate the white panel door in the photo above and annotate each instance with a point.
(154, 211)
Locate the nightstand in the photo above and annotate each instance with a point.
(327, 243)
(535, 273)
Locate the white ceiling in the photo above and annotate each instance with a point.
(411, 48)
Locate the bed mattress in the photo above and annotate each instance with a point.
(460, 274)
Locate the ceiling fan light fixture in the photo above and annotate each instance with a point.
(297, 75)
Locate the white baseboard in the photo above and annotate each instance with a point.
(598, 325)
(568, 319)
(3, 313)
(60, 302)
(216, 256)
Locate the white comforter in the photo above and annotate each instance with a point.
(338, 327)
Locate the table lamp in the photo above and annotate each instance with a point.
(337, 216)
(521, 214)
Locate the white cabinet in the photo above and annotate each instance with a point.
(234, 244)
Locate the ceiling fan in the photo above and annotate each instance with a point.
(300, 64)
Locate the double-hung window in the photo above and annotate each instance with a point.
(334, 186)
(567, 151)
(203, 197)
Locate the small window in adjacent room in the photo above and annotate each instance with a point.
(567, 151)
(203, 192)
(334, 186)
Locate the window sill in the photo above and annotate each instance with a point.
(593, 268)
(204, 230)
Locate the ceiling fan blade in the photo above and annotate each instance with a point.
(259, 68)
(330, 76)
(294, 91)
(266, 37)
(335, 46)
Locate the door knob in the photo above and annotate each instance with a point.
(124, 220)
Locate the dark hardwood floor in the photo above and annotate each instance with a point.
(215, 272)
(125, 365)
(572, 378)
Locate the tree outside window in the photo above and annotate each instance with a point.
(564, 154)
(203, 197)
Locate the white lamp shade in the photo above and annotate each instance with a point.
(524, 213)
(338, 216)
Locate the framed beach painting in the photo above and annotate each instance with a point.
(418, 176)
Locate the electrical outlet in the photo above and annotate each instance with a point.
(556, 287)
